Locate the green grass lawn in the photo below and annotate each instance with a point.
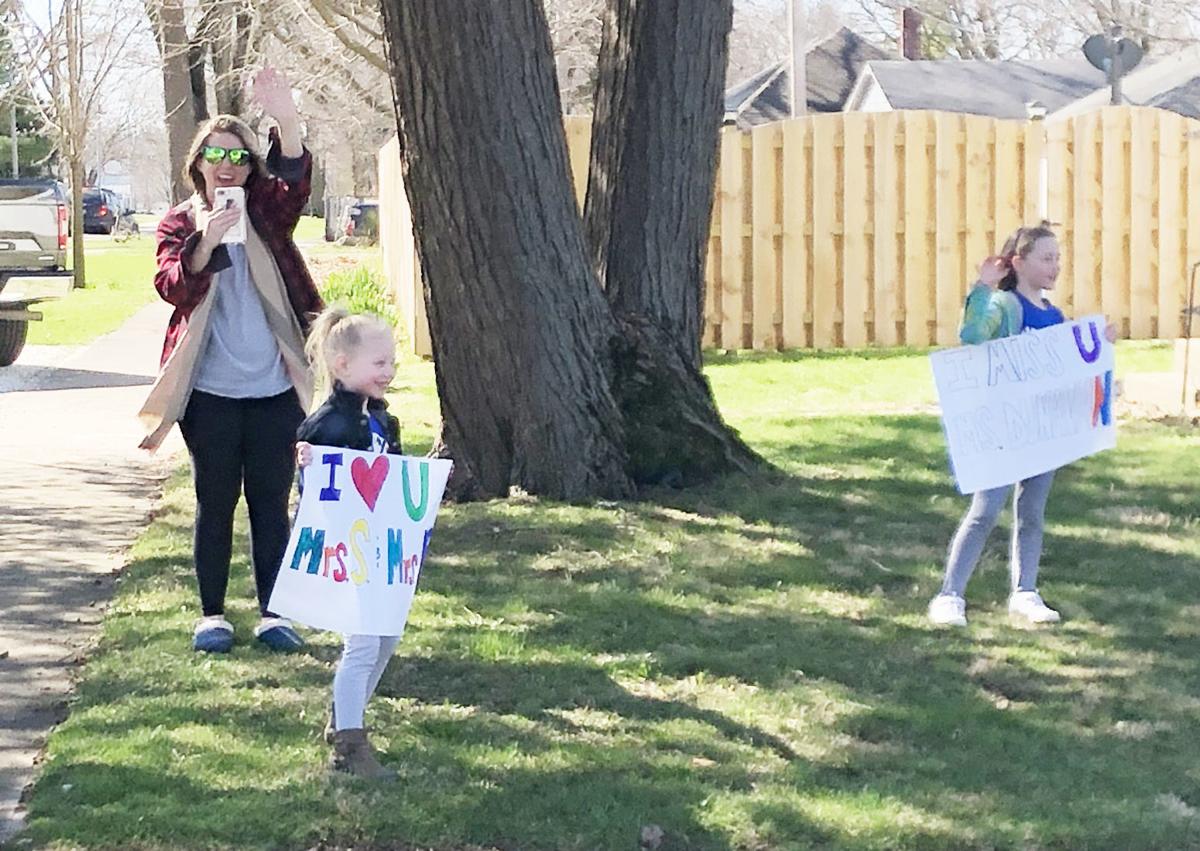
(746, 665)
(120, 280)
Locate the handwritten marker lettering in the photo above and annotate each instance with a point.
(1021, 405)
(330, 493)
(1088, 355)
(360, 542)
(415, 511)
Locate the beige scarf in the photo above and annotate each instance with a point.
(169, 396)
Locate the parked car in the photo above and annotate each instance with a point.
(360, 221)
(33, 256)
(101, 208)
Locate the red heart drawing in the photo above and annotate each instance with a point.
(369, 478)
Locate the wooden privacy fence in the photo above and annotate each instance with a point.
(860, 229)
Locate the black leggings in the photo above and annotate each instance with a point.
(236, 443)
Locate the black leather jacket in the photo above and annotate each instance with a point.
(340, 421)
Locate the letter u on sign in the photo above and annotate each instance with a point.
(1088, 355)
(415, 510)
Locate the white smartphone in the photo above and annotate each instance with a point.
(229, 197)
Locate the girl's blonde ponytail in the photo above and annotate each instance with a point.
(337, 331)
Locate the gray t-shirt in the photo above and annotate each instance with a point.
(241, 359)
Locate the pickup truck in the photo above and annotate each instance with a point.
(33, 256)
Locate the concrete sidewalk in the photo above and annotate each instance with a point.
(76, 493)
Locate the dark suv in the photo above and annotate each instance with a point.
(100, 210)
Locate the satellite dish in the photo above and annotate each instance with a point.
(1130, 53)
(1096, 51)
(1099, 50)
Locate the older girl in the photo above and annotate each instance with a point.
(1006, 300)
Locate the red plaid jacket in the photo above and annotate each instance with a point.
(274, 205)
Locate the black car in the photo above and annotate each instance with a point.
(101, 207)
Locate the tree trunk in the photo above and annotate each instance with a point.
(654, 152)
(543, 385)
(196, 54)
(167, 19)
(518, 324)
(656, 130)
(227, 33)
(78, 257)
(76, 134)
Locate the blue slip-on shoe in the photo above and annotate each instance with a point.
(213, 634)
(278, 635)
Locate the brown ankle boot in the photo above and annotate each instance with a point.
(353, 754)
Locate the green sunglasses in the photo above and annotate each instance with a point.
(214, 154)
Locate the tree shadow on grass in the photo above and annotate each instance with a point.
(745, 665)
(536, 690)
(948, 720)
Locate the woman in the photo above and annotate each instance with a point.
(234, 375)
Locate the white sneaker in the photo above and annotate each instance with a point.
(1029, 605)
(948, 610)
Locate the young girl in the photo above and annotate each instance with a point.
(356, 355)
(1007, 300)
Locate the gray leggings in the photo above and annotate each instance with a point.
(972, 534)
(358, 674)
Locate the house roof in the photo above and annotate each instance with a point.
(1172, 82)
(997, 88)
(831, 67)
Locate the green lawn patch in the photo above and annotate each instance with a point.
(746, 665)
(120, 281)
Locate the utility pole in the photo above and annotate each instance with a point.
(1115, 71)
(797, 64)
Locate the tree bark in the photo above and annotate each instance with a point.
(167, 19)
(544, 384)
(656, 132)
(518, 324)
(76, 134)
(654, 152)
(197, 53)
(226, 31)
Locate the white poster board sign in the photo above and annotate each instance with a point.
(1024, 405)
(361, 535)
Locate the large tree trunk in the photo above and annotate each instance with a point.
(169, 22)
(649, 207)
(654, 152)
(518, 324)
(542, 384)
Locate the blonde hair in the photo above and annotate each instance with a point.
(222, 124)
(337, 331)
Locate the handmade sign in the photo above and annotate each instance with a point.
(1024, 405)
(360, 538)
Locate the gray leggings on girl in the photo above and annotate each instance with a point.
(358, 673)
(972, 534)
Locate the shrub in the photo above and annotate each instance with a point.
(360, 290)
